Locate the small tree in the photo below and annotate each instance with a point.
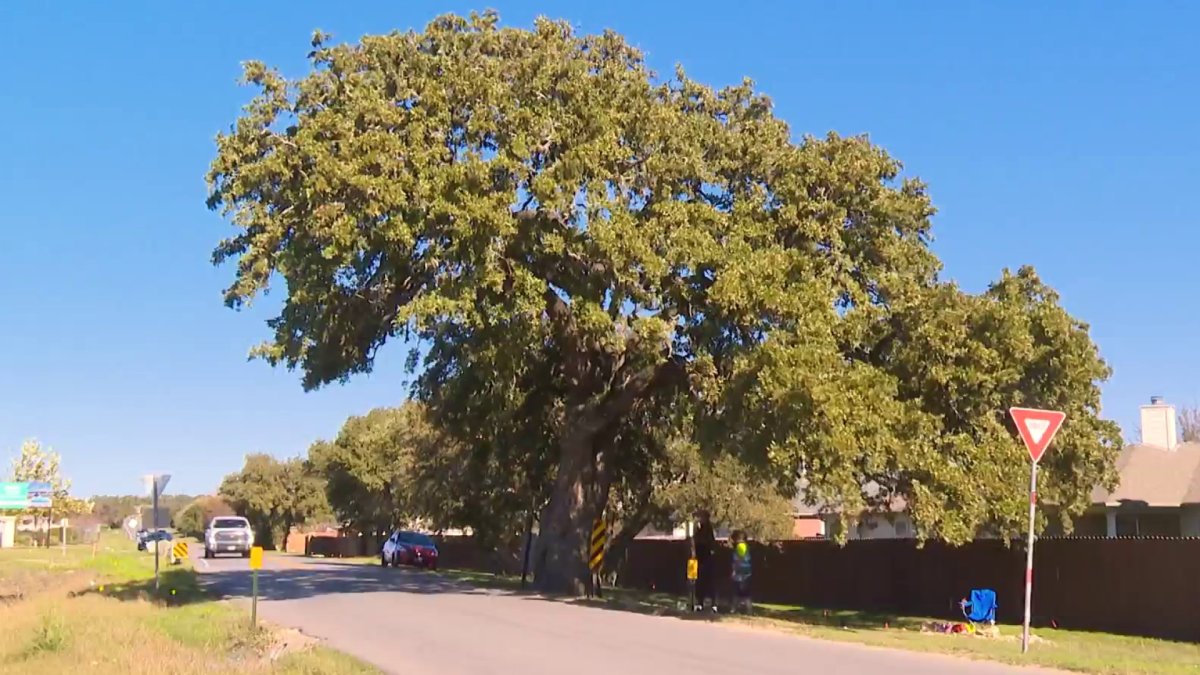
(194, 518)
(42, 465)
(1189, 424)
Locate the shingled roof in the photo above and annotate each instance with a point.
(1155, 476)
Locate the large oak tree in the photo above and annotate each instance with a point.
(590, 257)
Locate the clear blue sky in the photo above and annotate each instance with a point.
(1063, 136)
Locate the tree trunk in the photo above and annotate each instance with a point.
(560, 557)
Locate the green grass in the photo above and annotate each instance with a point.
(1061, 649)
(50, 636)
(101, 614)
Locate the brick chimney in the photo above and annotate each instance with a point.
(1158, 424)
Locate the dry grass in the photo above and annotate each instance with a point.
(101, 615)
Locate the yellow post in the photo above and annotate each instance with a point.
(256, 558)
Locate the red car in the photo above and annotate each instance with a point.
(409, 548)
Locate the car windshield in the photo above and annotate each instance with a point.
(415, 538)
(228, 523)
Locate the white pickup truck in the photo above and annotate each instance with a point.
(228, 534)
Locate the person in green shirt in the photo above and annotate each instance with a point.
(741, 570)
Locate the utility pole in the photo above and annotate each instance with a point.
(528, 541)
(154, 516)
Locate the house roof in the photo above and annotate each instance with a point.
(801, 507)
(1155, 476)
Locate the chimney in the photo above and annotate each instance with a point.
(1158, 424)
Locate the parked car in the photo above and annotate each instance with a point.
(409, 548)
(146, 539)
(228, 534)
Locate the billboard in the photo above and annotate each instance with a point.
(26, 495)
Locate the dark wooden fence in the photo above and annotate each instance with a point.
(1148, 587)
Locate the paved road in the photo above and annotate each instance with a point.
(412, 622)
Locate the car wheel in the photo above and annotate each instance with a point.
(245, 554)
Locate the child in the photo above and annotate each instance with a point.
(741, 571)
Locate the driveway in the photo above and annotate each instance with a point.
(407, 621)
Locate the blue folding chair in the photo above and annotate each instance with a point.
(981, 608)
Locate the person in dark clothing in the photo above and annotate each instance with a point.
(705, 541)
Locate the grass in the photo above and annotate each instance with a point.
(99, 613)
(1061, 649)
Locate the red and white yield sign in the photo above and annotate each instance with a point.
(1037, 428)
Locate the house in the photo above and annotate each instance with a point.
(1158, 493)
(822, 521)
(1159, 489)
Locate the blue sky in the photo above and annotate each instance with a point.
(1064, 137)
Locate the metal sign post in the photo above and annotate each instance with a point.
(256, 560)
(156, 483)
(154, 516)
(1029, 557)
(1037, 429)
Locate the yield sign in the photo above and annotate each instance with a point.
(1037, 428)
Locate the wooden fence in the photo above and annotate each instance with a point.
(1148, 587)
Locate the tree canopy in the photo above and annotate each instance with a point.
(38, 464)
(274, 496)
(193, 519)
(596, 262)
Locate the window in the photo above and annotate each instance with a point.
(1158, 525)
(1127, 526)
(221, 523)
(1148, 525)
(415, 538)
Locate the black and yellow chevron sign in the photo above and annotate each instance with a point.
(599, 539)
(180, 550)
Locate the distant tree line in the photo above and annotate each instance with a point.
(394, 467)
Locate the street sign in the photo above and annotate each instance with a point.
(1037, 428)
(155, 484)
(599, 538)
(14, 495)
(179, 552)
(693, 569)
(156, 480)
(256, 556)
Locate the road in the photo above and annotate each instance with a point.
(406, 621)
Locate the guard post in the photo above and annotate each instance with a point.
(178, 552)
(256, 559)
(596, 553)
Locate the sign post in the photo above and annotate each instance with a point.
(156, 482)
(256, 558)
(1037, 429)
(596, 553)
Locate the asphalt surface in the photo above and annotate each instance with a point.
(407, 621)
